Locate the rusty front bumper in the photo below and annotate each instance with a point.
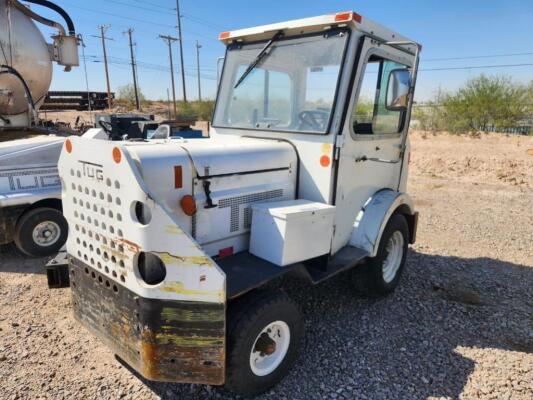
(172, 341)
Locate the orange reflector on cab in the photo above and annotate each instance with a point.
(68, 146)
(224, 35)
(325, 161)
(178, 177)
(117, 155)
(348, 16)
(188, 205)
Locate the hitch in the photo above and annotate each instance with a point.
(57, 271)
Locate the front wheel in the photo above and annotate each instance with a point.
(265, 333)
(41, 232)
(380, 275)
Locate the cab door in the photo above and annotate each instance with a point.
(369, 146)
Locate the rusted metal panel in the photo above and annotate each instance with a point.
(164, 340)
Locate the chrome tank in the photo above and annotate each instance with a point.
(23, 47)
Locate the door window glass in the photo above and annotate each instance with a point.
(370, 115)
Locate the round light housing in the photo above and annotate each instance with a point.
(151, 268)
(188, 205)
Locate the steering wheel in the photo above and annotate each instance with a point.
(106, 126)
(314, 120)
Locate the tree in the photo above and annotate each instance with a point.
(485, 101)
(530, 99)
(126, 94)
(430, 116)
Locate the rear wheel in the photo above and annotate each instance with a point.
(265, 332)
(41, 232)
(380, 275)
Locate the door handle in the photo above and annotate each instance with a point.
(365, 158)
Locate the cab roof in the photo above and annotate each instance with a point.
(306, 25)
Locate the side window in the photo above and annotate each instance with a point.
(371, 116)
(264, 97)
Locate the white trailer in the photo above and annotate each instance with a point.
(305, 172)
(30, 188)
(30, 195)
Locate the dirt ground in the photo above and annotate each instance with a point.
(460, 325)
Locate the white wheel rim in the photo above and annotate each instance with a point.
(46, 233)
(280, 335)
(394, 256)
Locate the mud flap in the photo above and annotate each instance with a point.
(163, 340)
(57, 271)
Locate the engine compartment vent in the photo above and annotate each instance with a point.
(235, 204)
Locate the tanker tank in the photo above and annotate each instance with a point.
(26, 60)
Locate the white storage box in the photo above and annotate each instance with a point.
(287, 232)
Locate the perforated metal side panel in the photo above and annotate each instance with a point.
(99, 200)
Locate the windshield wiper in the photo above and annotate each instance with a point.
(258, 58)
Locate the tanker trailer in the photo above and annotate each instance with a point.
(30, 188)
(26, 60)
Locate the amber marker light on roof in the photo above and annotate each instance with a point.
(348, 16)
(224, 35)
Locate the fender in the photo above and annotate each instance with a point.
(373, 217)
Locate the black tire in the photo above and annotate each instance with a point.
(368, 278)
(247, 319)
(29, 221)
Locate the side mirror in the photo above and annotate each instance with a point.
(398, 90)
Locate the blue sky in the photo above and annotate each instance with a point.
(446, 29)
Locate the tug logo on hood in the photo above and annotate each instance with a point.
(92, 170)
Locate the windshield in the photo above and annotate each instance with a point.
(292, 88)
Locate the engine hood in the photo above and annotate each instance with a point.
(214, 157)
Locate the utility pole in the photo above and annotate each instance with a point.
(198, 47)
(103, 30)
(137, 104)
(180, 38)
(169, 39)
(80, 39)
(168, 104)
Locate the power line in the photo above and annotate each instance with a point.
(476, 67)
(474, 57)
(142, 21)
(119, 59)
(165, 11)
(203, 22)
(153, 4)
(160, 68)
(139, 7)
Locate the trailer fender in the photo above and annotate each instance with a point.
(373, 217)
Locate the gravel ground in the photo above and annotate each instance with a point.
(460, 325)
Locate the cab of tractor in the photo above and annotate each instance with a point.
(173, 242)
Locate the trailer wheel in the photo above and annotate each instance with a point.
(41, 232)
(380, 275)
(265, 332)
